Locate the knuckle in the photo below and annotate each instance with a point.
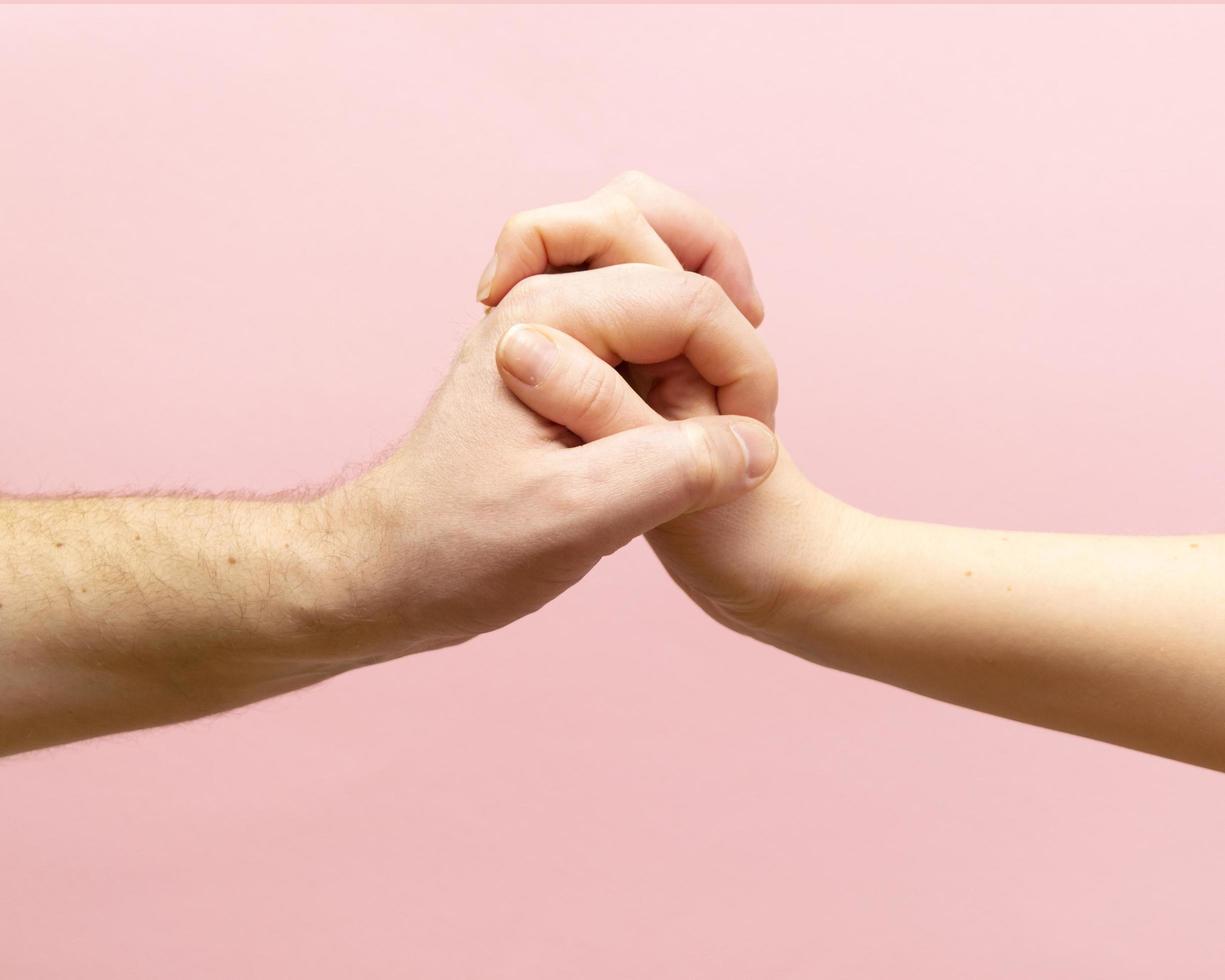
(517, 225)
(525, 295)
(597, 396)
(703, 298)
(631, 179)
(639, 274)
(699, 465)
(522, 238)
(620, 208)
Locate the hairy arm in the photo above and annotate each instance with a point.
(125, 612)
(1115, 638)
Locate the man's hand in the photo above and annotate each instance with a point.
(120, 613)
(487, 511)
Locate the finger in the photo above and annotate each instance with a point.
(557, 377)
(700, 240)
(635, 218)
(603, 230)
(634, 481)
(673, 388)
(646, 315)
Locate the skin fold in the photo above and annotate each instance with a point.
(1115, 638)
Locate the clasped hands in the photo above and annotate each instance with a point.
(616, 386)
(630, 396)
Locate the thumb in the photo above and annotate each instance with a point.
(556, 376)
(635, 480)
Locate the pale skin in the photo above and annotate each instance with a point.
(126, 612)
(1115, 638)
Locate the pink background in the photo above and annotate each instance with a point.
(237, 248)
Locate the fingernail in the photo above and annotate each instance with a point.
(486, 283)
(527, 354)
(757, 443)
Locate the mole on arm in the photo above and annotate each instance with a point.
(232, 560)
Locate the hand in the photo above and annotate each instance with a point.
(634, 218)
(126, 612)
(734, 561)
(487, 511)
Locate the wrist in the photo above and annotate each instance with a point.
(828, 575)
(359, 539)
(388, 579)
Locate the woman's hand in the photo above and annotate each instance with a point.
(1115, 638)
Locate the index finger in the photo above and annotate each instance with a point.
(701, 240)
(646, 315)
(635, 218)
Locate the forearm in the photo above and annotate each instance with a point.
(125, 612)
(1115, 638)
